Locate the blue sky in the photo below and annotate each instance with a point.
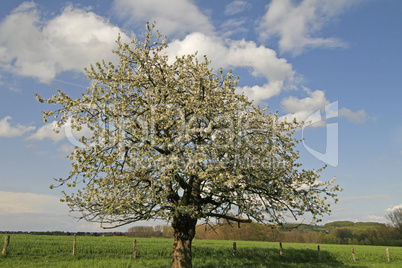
(297, 57)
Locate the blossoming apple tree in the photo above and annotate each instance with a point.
(171, 139)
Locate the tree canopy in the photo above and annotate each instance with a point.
(395, 218)
(171, 139)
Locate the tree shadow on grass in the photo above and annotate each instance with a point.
(269, 257)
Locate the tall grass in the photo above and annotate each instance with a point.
(56, 251)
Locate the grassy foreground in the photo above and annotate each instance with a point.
(56, 251)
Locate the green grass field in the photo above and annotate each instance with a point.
(56, 251)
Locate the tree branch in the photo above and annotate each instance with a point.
(227, 217)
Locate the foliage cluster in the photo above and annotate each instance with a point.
(395, 217)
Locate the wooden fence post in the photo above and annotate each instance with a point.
(319, 253)
(234, 249)
(281, 249)
(353, 254)
(388, 255)
(6, 242)
(135, 249)
(75, 237)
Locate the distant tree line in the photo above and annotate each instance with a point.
(151, 231)
(341, 232)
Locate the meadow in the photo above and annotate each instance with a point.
(56, 251)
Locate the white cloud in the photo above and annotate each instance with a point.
(375, 218)
(296, 23)
(31, 46)
(356, 117)
(174, 17)
(17, 203)
(394, 208)
(260, 93)
(306, 107)
(8, 131)
(48, 131)
(40, 212)
(236, 7)
(232, 26)
(315, 100)
(303, 108)
(243, 54)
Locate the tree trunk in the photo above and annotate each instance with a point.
(184, 232)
